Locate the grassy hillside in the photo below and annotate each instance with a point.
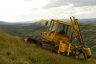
(15, 51)
(89, 36)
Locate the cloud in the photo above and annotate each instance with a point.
(61, 13)
(34, 9)
(76, 3)
(28, 0)
(56, 3)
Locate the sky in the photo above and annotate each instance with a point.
(31, 10)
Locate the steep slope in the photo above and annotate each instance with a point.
(14, 51)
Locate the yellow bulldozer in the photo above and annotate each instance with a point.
(66, 38)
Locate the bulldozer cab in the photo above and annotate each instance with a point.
(58, 30)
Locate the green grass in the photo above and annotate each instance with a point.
(14, 51)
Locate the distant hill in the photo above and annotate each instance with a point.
(42, 22)
(2, 23)
(92, 20)
(89, 20)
